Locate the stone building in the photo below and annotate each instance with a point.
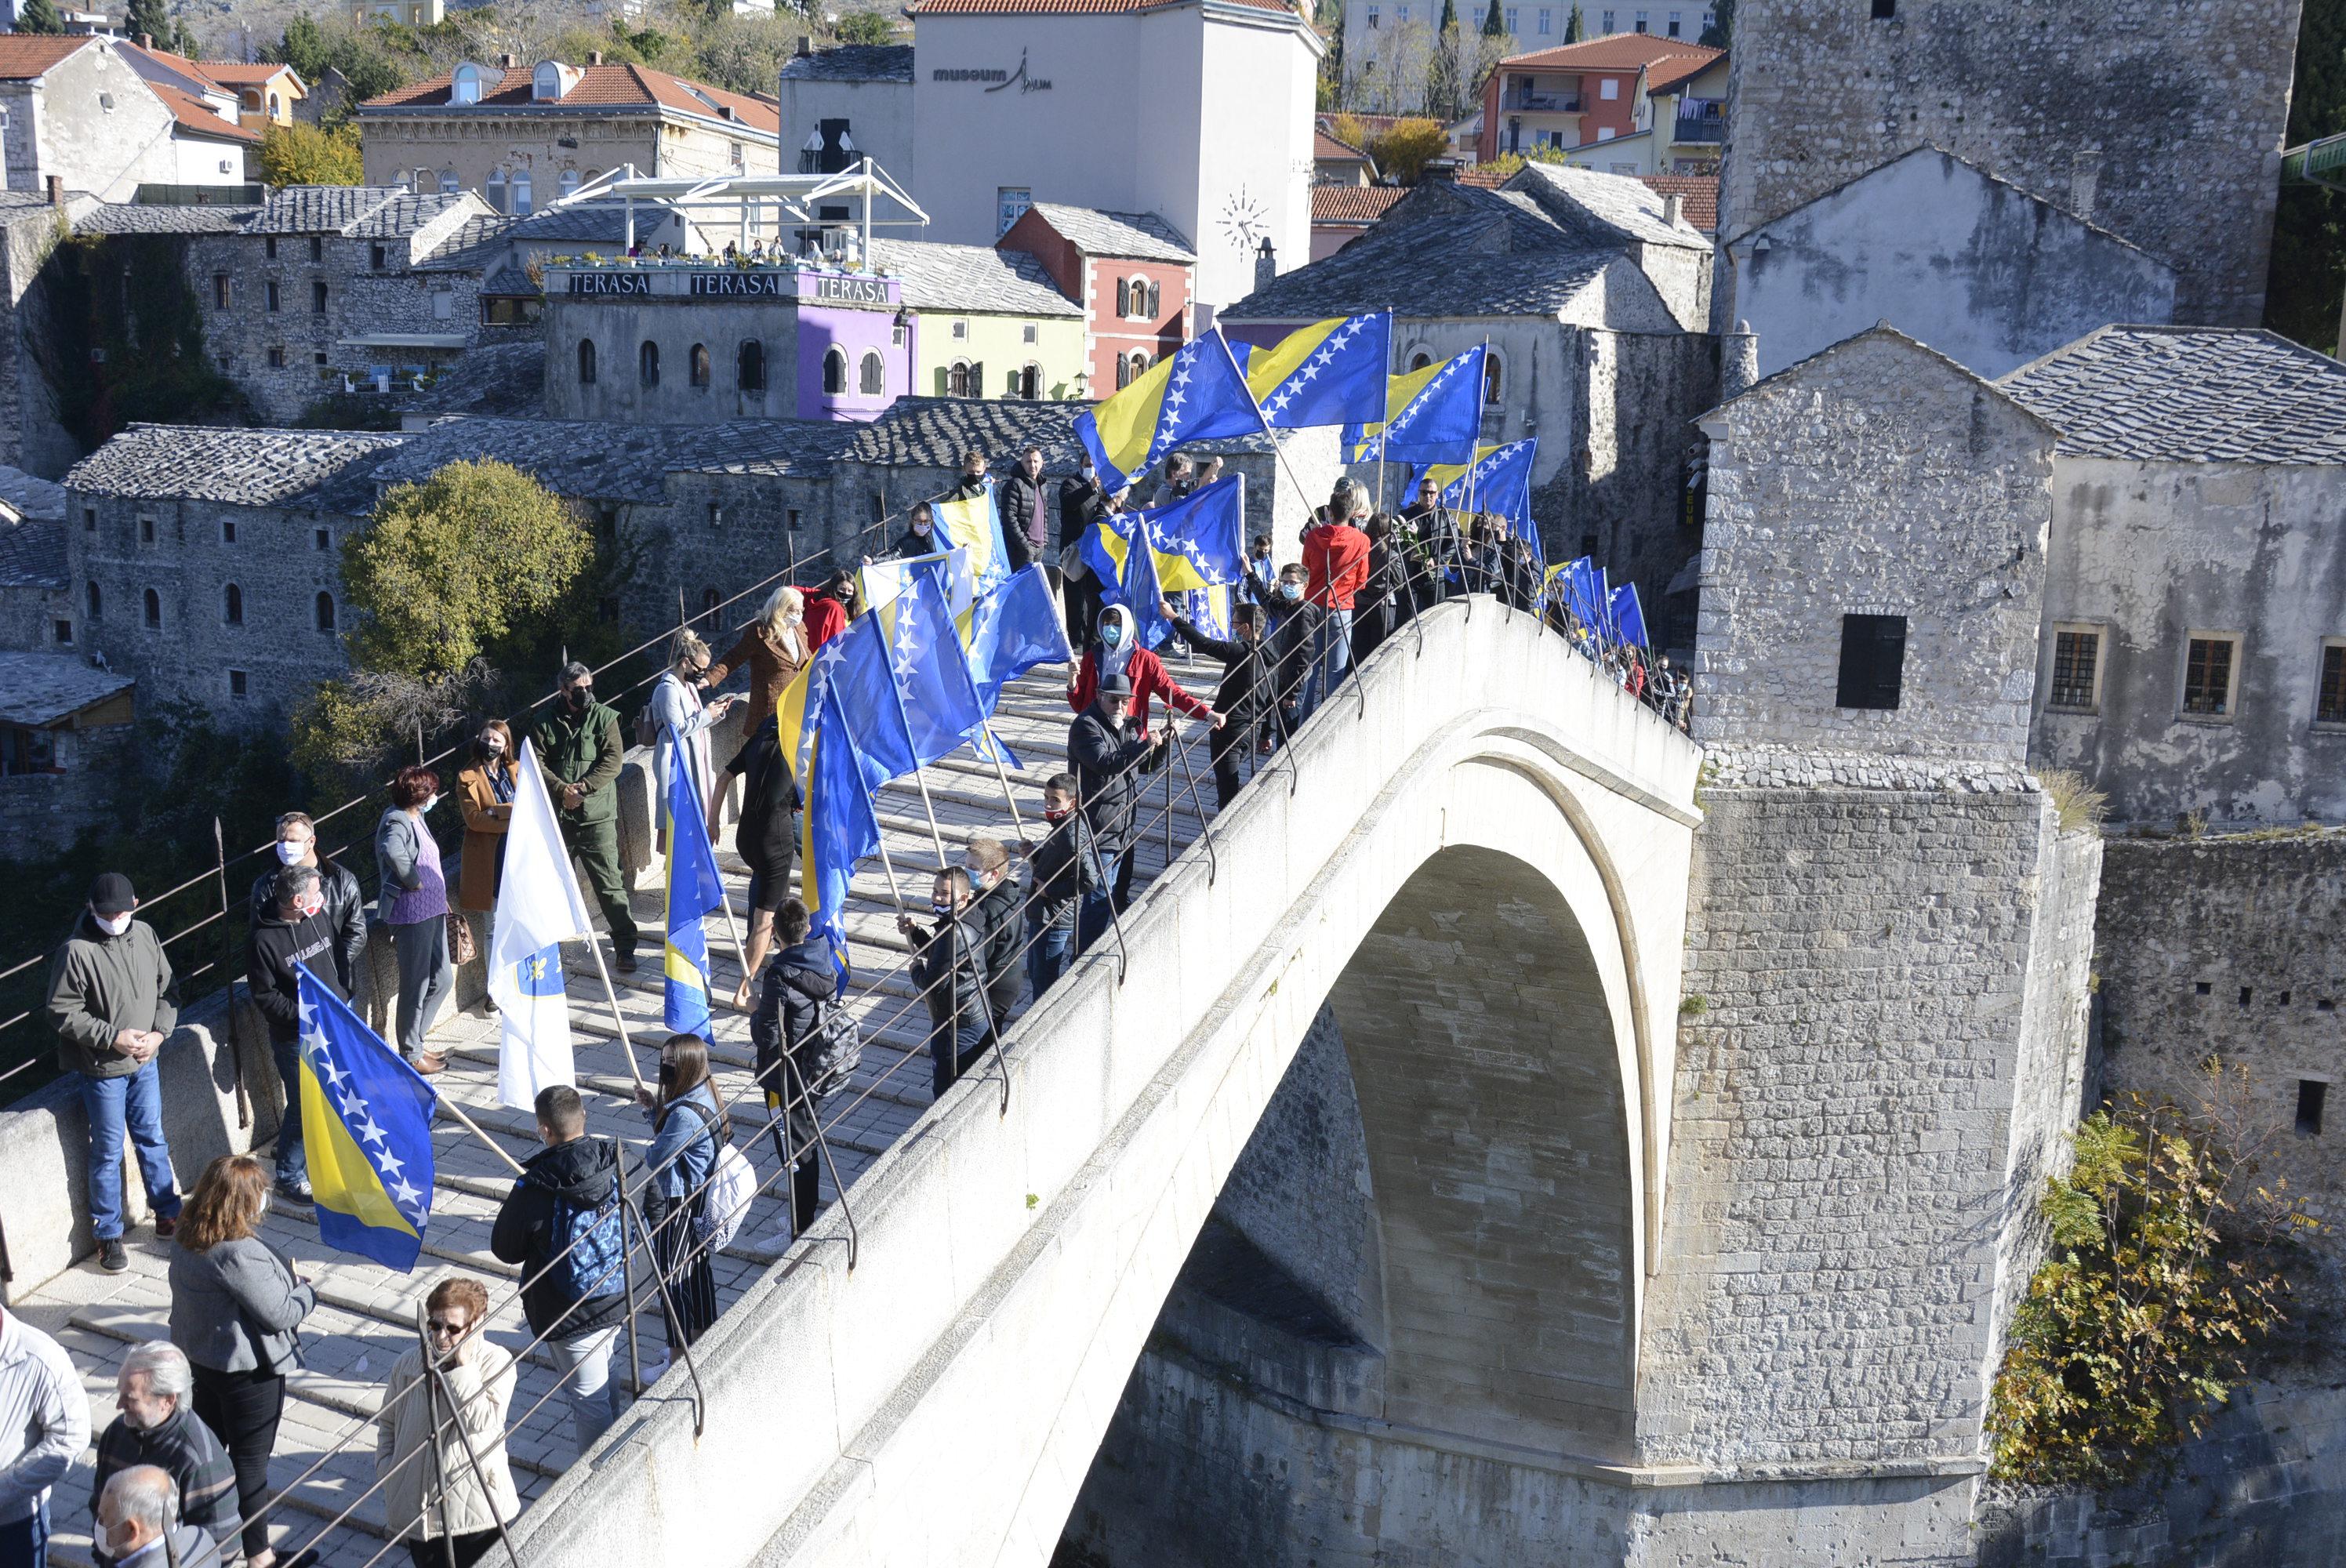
(64, 723)
(1591, 297)
(31, 227)
(1133, 276)
(2160, 123)
(1977, 268)
(519, 137)
(80, 110)
(986, 321)
(36, 600)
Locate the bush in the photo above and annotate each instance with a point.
(2079, 805)
(305, 154)
(2164, 1279)
(1402, 150)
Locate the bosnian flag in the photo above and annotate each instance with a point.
(538, 910)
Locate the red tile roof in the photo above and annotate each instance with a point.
(1663, 75)
(982, 7)
(1483, 177)
(1698, 196)
(1613, 52)
(1327, 147)
(614, 87)
(236, 74)
(25, 55)
(1348, 204)
(196, 117)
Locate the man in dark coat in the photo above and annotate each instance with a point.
(579, 748)
(1026, 528)
(1244, 697)
(1067, 878)
(949, 966)
(1109, 758)
(1287, 642)
(1000, 899)
(295, 932)
(783, 1031)
(297, 845)
(765, 838)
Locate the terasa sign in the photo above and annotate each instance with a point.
(846, 290)
(610, 283)
(740, 285)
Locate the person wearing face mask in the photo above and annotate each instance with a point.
(578, 741)
(1110, 757)
(681, 719)
(412, 905)
(972, 482)
(1067, 877)
(689, 1126)
(139, 1524)
(949, 966)
(1082, 503)
(485, 793)
(998, 898)
(109, 1002)
(158, 1427)
(1242, 697)
(294, 933)
(775, 649)
(1287, 639)
(297, 845)
(1117, 651)
(920, 535)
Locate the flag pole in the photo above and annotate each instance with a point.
(921, 777)
(1276, 451)
(887, 861)
(1003, 774)
(618, 1019)
(449, 1105)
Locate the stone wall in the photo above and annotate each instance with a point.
(30, 436)
(1876, 479)
(2227, 946)
(42, 813)
(1641, 394)
(2160, 120)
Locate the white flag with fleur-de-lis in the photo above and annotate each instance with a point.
(538, 910)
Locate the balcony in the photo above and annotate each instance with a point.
(1701, 120)
(1540, 103)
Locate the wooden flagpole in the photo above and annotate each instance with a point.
(449, 1105)
(618, 1019)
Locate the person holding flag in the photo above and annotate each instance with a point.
(1115, 650)
(539, 909)
(1195, 394)
(693, 891)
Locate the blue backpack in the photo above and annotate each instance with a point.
(590, 1244)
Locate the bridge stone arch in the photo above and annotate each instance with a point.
(941, 1403)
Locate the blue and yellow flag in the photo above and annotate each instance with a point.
(693, 891)
(840, 828)
(1330, 372)
(939, 698)
(1199, 540)
(1197, 392)
(1629, 615)
(1016, 628)
(366, 1120)
(975, 525)
(1437, 416)
(1579, 587)
(1123, 557)
(1498, 484)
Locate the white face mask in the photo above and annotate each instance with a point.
(427, 805)
(114, 927)
(291, 850)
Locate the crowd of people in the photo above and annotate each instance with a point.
(183, 1471)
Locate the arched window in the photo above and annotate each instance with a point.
(495, 190)
(957, 379)
(253, 99)
(569, 181)
(97, 601)
(1420, 360)
(232, 605)
(1139, 364)
(710, 600)
(875, 374)
(834, 372)
(697, 365)
(424, 182)
(647, 363)
(154, 608)
(448, 184)
(520, 191)
(325, 612)
(749, 365)
(1495, 378)
(274, 104)
(545, 82)
(585, 362)
(1027, 382)
(464, 86)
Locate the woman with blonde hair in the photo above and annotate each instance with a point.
(236, 1310)
(774, 646)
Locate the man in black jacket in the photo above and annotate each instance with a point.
(1067, 877)
(1109, 760)
(995, 911)
(1026, 531)
(973, 481)
(1244, 695)
(919, 538)
(561, 1223)
(765, 838)
(296, 930)
(949, 966)
(782, 1033)
(1286, 644)
(1434, 548)
(297, 845)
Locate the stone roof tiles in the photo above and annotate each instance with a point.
(2188, 394)
(1130, 235)
(592, 460)
(934, 431)
(322, 209)
(239, 468)
(33, 554)
(974, 278)
(38, 688)
(852, 62)
(501, 381)
(404, 214)
(1605, 207)
(124, 218)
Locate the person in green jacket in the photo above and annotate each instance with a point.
(578, 747)
(109, 1001)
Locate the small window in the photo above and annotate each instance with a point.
(378, 256)
(1011, 203)
(495, 190)
(585, 362)
(325, 612)
(221, 291)
(521, 204)
(2203, 988)
(232, 605)
(277, 356)
(1030, 333)
(647, 363)
(318, 358)
(1139, 364)
(794, 524)
(96, 600)
(710, 601)
(448, 183)
(749, 365)
(317, 248)
(1027, 382)
(65, 633)
(318, 299)
(1883, 10)
(896, 333)
(2076, 669)
(1495, 378)
(443, 305)
(89, 519)
(236, 683)
(154, 610)
(834, 372)
(269, 248)
(147, 529)
(960, 332)
(422, 183)
(1419, 360)
(716, 514)
(1610, 88)
(1872, 661)
(2313, 1094)
(569, 181)
(2247, 994)
(957, 379)
(874, 381)
(2210, 676)
(2329, 701)
(697, 365)
(228, 530)
(325, 539)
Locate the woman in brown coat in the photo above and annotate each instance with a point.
(774, 647)
(484, 790)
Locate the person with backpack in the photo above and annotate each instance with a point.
(561, 1224)
(689, 1132)
(806, 1046)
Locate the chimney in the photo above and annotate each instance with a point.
(805, 50)
(2085, 180)
(1266, 265)
(504, 62)
(593, 56)
(1673, 210)
(1738, 360)
(57, 183)
(1439, 171)
(146, 40)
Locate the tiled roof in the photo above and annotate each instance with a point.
(1481, 178)
(616, 89)
(486, 240)
(1663, 75)
(236, 74)
(501, 381)
(852, 62)
(33, 554)
(239, 467)
(123, 218)
(2188, 394)
(32, 495)
(25, 55)
(195, 116)
(477, 242)
(591, 460)
(1327, 149)
(1698, 196)
(1445, 251)
(1128, 235)
(1613, 52)
(933, 432)
(404, 214)
(38, 688)
(322, 209)
(1605, 208)
(972, 7)
(976, 278)
(512, 281)
(1353, 203)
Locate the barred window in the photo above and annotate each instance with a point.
(2330, 706)
(2208, 672)
(2076, 668)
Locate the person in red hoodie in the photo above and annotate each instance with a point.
(1114, 648)
(1336, 557)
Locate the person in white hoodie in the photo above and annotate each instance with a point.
(44, 1428)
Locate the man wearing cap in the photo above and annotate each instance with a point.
(109, 1001)
(1109, 756)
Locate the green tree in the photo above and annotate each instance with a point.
(301, 46)
(305, 154)
(1494, 23)
(1576, 28)
(40, 16)
(2306, 278)
(1403, 149)
(1722, 24)
(865, 27)
(1449, 17)
(150, 18)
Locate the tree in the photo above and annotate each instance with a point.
(1404, 149)
(1454, 77)
(865, 27)
(1449, 17)
(149, 19)
(1494, 23)
(40, 16)
(1722, 24)
(1576, 28)
(305, 154)
(2308, 273)
(301, 46)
